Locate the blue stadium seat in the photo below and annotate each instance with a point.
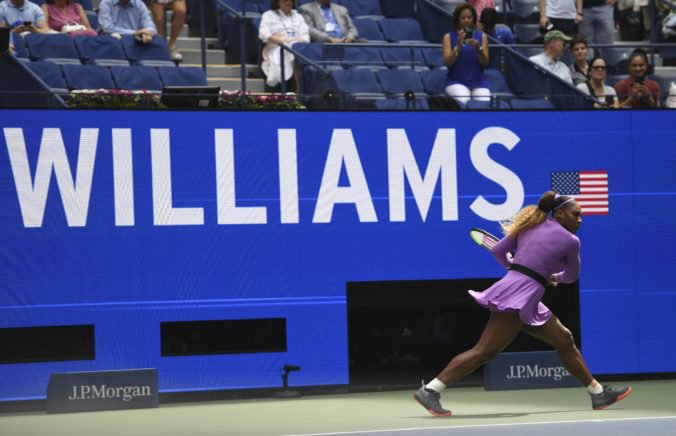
(434, 57)
(87, 77)
(397, 55)
(487, 105)
(401, 30)
(182, 76)
(51, 74)
(101, 50)
(20, 48)
(525, 103)
(137, 78)
(86, 5)
(527, 33)
(434, 81)
(93, 18)
(356, 80)
(449, 5)
(57, 48)
(398, 8)
(396, 82)
(311, 50)
(363, 8)
(155, 53)
(368, 29)
(526, 11)
(354, 56)
(496, 82)
(401, 104)
(617, 59)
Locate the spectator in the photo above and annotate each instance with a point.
(280, 25)
(563, 15)
(636, 91)
(67, 17)
(22, 16)
(328, 22)
(465, 50)
(598, 25)
(579, 70)
(178, 8)
(480, 5)
(555, 44)
(605, 95)
(489, 19)
(126, 17)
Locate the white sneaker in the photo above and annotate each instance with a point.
(175, 54)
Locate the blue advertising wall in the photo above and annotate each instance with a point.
(128, 219)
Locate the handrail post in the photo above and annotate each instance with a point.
(281, 60)
(203, 43)
(242, 48)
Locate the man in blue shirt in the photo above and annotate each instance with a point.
(22, 16)
(126, 17)
(328, 22)
(555, 45)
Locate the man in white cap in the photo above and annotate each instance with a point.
(555, 46)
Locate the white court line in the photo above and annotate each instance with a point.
(481, 426)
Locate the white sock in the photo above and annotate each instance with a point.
(595, 387)
(436, 385)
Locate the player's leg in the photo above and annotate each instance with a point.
(499, 332)
(558, 336)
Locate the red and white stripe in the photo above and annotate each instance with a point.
(593, 196)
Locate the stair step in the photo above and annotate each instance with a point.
(194, 56)
(222, 70)
(232, 84)
(195, 43)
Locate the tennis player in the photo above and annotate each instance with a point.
(546, 252)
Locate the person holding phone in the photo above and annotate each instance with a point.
(22, 16)
(637, 91)
(465, 51)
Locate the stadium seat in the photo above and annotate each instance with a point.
(449, 5)
(401, 104)
(487, 105)
(20, 48)
(101, 50)
(88, 77)
(395, 82)
(364, 8)
(526, 11)
(51, 74)
(496, 82)
(397, 55)
(155, 53)
(310, 50)
(398, 8)
(86, 5)
(524, 103)
(368, 29)
(434, 81)
(182, 76)
(527, 33)
(137, 78)
(617, 59)
(57, 48)
(401, 30)
(434, 57)
(355, 56)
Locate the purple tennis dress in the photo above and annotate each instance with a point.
(547, 248)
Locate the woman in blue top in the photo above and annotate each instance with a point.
(465, 51)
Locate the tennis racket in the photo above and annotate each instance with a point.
(483, 238)
(486, 240)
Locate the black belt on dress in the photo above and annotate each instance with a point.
(530, 273)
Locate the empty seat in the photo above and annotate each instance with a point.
(310, 50)
(355, 56)
(401, 104)
(361, 8)
(87, 6)
(356, 80)
(101, 50)
(396, 82)
(20, 47)
(155, 53)
(182, 76)
(368, 29)
(434, 81)
(487, 105)
(617, 59)
(527, 33)
(434, 57)
(87, 77)
(51, 74)
(526, 11)
(496, 81)
(57, 48)
(524, 103)
(137, 78)
(401, 30)
(401, 55)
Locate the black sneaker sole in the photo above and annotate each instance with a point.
(432, 412)
(619, 398)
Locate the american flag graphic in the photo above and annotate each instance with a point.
(589, 188)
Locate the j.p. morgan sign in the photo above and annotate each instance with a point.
(528, 370)
(102, 390)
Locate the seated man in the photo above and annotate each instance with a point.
(126, 17)
(555, 45)
(328, 22)
(22, 16)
